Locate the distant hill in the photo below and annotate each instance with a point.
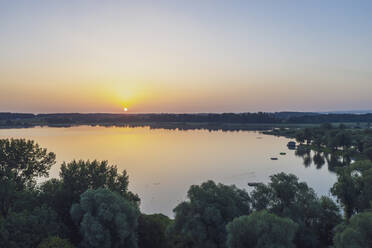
(288, 114)
(12, 116)
(357, 112)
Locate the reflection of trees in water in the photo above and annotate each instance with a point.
(305, 154)
(301, 151)
(307, 160)
(334, 161)
(319, 159)
(224, 127)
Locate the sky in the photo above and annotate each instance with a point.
(185, 56)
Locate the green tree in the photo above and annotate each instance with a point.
(201, 220)
(346, 191)
(332, 141)
(356, 234)
(326, 126)
(343, 139)
(359, 143)
(105, 219)
(8, 195)
(21, 162)
(261, 230)
(28, 229)
(308, 135)
(368, 153)
(353, 188)
(53, 194)
(26, 200)
(328, 218)
(75, 178)
(318, 142)
(152, 231)
(79, 176)
(300, 136)
(342, 126)
(55, 242)
(285, 196)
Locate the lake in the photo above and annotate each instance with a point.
(162, 164)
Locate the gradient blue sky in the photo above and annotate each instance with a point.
(185, 56)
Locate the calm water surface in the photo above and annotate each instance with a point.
(162, 164)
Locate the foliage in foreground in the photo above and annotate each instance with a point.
(261, 230)
(201, 221)
(28, 229)
(55, 242)
(285, 196)
(356, 234)
(152, 231)
(77, 177)
(105, 219)
(354, 187)
(105, 213)
(21, 162)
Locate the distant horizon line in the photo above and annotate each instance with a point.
(361, 111)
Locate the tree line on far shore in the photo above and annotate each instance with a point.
(184, 121)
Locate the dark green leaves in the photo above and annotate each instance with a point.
(261, 230)
(105, 219)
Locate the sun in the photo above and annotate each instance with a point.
(125, 109)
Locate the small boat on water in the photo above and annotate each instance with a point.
(253, 184)
(291, 144)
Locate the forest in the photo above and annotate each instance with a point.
(89, 205)
(228, 121)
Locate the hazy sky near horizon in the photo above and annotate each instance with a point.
(185, 56)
